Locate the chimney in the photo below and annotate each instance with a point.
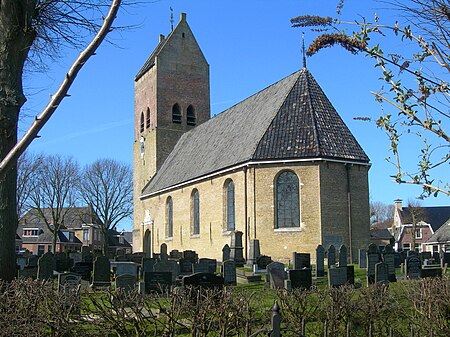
(161, 38)
(182, 17)
(398, 204)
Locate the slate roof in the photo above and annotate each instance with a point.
(436, 216)
(381, 234)
(442, 235)
(151, 60)
(291, 119)
(113, 239)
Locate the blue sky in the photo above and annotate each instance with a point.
(248, 44)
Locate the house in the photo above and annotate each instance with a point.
(281, 166)
(414, 226)
(440, 240)
(118, 244)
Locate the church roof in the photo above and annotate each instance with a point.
(291, 119)
(151, 59)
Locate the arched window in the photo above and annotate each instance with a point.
(142, 122)
(169, 217)
(176, 114)
(147, 119)
(195, 212)
(191, 120)
(287, 204)
(229, 205)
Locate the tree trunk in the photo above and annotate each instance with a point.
(16, 36)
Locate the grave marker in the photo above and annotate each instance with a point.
(342, 256)
(389, 258)
(373, 257)
(331, 256)
(46, 266)
(362, 258)
(337, 276)
(229, 272)
(381, 273)
(226, 251)
(203, 280)
(277, 275)
(126, 282)
(102, 272)
(155, 281)
(300, 278)
(320, 265)
(413, 267)
(301, 260)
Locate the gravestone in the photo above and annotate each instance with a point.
(190, 255)
(237, 250)
(254, 252)
(381, 273)
(68, 281)
(226, 251)
(200, 268)
(397, 260)
(342, 256)
(431, 272)
(102, 272)
(301, 260)
(337, 276)
(211, 263)
(277, 275)
(362, 258)
(126, 282)
(389, 258)
(175, 254)
(168, 266)
(413, 267)
(32, 261)
(203, 280)
(62, 262)
(83, 269)
(186, 266)
(331, 254)
(300, 278)
(263, 261)
(350, 274)
(28, 272)
(163, 252)
(156, 281)
(137, 257)
(373, 257)
(46, 266)
(147, 264)
(229, 272)
(320, 257)
(75, 257)
(21, 262)
(122, 268)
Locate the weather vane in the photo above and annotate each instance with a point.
(171, 19)
(303, 50)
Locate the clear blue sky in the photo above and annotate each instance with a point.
(249, 45)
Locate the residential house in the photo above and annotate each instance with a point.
(118, 244)
(440, 240)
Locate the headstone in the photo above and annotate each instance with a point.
(175, 254)
(163, 252)
(211, 263)
(46, 266)
(200, 268)
(237, 250)
(186, 266)
(203, 280)
(126, 282)
(373, 257)
(32, 261)
(68, 281)
(413, 267)
(300, 278)
(320, 257)
(389, 258)
(190, 255)
(343, 256)
(229, 272)
(28, 272)
(431, 272)
(254, 252)
(301, 260)
(337, 276)
(168, 266)
(75, 257)
(21, 262)
(102, 272)
(156, 281)
(277, 275)
(226, 251)
(362, 258)
(147, 264)
(331, 254)
(62, 263)
(122, 268)
(137, 257)
(84, 269)
(381, 273)
(350, 274)
(263, 261)
(397, 260)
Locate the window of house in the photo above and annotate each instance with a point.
(418, 247)
(176, 114)
(406, 246)
(31, 232)
(142, 122)
(191, 119)
(419, 233)
(435, 249)
(195, 212)
(287, 202)
(229, 205)
(169, 217)
(147, 119)
(71, 236)
(49, 248)
(86, 234)
(41, 250)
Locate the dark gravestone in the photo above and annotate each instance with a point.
(431, 272)
(229, 272)
(226, 253)
(300, 278)
(137, 257)
(342, 256)
(397, 260)
(102, 272)
(155, 281)
(337, 277)
(237, 250)
(46, 266)
(147, 264)
(254, 252)
(201, 268)
(373, 257)
(83, 269)
(301, 260)
(320, 257)
(168, 266)
(190, 255)
(413, 267)
(75, 257)
(211, 263)
(186, 266)
(203, 280)
(381, 273)
(129, 268)
(263, 261)
(68, 281)
(21, 262)
(331, 254)
(277, 275)
(175, 254)
(389, 258)
(126, 282)
(362, 258)
(32, 261)
(350, 274)
(28, 272)
(163, 252)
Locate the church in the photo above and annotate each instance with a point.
(280, 167)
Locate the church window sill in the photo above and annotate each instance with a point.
(195, 236)
(287, 229)
(169, 239)
(227, 233)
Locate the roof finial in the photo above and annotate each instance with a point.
(171, 19)
(303, 50)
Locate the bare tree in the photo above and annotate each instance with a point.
(55, 191)
(417, 215)
(107, 186)
(36, 26)
(380, 212)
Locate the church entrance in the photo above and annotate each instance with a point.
(147, 243)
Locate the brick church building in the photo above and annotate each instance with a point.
(280, 166)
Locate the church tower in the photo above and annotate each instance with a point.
(171, 96)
